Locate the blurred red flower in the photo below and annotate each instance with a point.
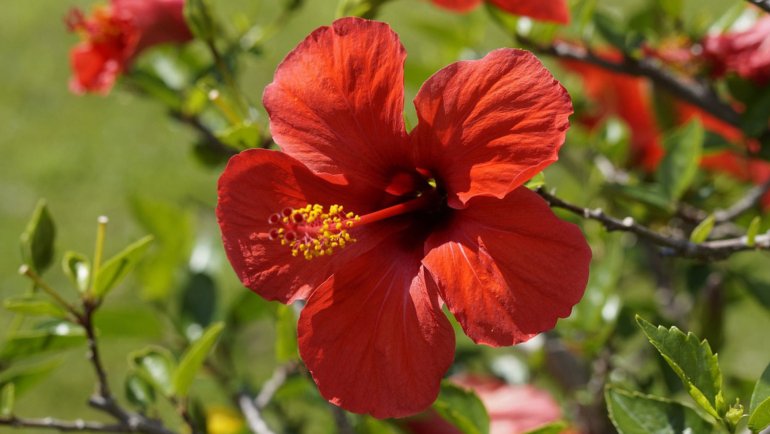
(627, 97)
(114, 34)
(435, 215)
(550, 10)
(511, 409)
(745, 53)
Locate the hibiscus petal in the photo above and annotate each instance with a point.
(487, 126)
(337, 101)
(550, 10)
(458, 5)
(507, 269)
(374, 337)
(258, 183)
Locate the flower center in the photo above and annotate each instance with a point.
(313, 231)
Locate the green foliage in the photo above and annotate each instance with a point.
(193, 358)
(54, 337)
(550, 428)
(693, 362)
(198, 301)
(285, 334)
(7, 398)
(118, 267)
(703, 230)
(139, 392)
(462, 408)
(636, 413)
(33, 305)
(37, 241)
(753, 231)
(198, 16)
(77, 268)
(678, 168)
(759, 410)
(156, 366)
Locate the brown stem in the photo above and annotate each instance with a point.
(63, 425)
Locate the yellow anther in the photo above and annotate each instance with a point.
(310, 231)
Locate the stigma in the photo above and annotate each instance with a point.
(313, 231)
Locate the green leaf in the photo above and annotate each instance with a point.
(193, 359)
(38, 238)
(156, 365)
(635, 413)
(243, 136)
(119, 266)
(550, 428)
(7, 397)
(77, 268)
(759, 409)
(58, 336)
(536, 181)
(753, 231)
(25, 376)
(678, 168)
(703, 230)
(694, 363)
(285, 334)
(672, 8)
(139, 392)
(199, 300)
(196, 13)
(27, 305)
(462, 408)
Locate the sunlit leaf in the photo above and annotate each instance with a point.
(635, 413)
(703, 230)
(156, 365)
(118, 267)
(753, 231)
(193, 359)
(37, 241)
(77, 268)
(694, 363)
(462, 408)
(759, 409)
(7, 398)
(285, 334)
(550, 428)
(679, 166)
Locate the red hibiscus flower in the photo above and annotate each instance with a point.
(550, 10)
(745, 53)
(113, 35)
(511, 409)
(375, 227)
(628, 98)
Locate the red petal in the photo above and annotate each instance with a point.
(549, 10)
(487, 126)
(258, 183)
(336, 102)
(507, 269)
(94, 69)
(374, 336)
(458, 5)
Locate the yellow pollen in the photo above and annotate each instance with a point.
(311, 231)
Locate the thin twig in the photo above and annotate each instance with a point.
(341, 420)
(673, 246)
(273, 384)
(252, 414)
(747, 202)
(764, 4)
(63, 425)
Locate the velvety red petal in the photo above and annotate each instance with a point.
(508, 269)
(258, 183)
(548, 10)
(374, 337)
(487, 126)
(156, 21)
(336, 102)
(93, 69)
(458, 5)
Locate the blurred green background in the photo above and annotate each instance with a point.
(87, 155)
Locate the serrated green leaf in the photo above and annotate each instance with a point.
(753, 231)
(139, 392)
(7, 398)
(59, 336)
(37, 241)
(285, 334)
(635, 413)
(27, 305)
(193, 359)
(759, 409)
(462, 408)
(694, 363)
(156, 365)
(550, 428)
(119, 266)
(679, 166)
(703, 230)
(77, 268)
